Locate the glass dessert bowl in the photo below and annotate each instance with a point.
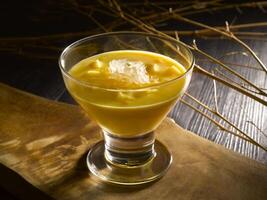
(127, 82)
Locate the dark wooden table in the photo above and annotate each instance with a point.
(23, 67)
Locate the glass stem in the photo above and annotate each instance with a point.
(132, 151)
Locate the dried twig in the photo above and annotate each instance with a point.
(231, 85)
(206, 33)
(236, 6)
(215, 95)
(243, 85)
(261, 92)
(228, 34)
(251, 122)
(218, 114)
(232, 64)
(223, 128)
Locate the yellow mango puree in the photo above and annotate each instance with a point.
(127, 92)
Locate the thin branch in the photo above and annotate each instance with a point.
(225, 7)
(207, 32)
(245, 86)
(224, 33)
(233, 86)
(251, 122)
(234, 64)
(77, 8)
(215, 95)
(261, 92)
(223, 128)
(226, 120)
(165, 14)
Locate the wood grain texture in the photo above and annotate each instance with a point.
(45, 142)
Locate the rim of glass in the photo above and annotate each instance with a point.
(84, 83)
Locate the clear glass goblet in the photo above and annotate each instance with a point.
(129, 153)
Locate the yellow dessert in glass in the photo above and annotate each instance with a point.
(127, 82)
(133, 103)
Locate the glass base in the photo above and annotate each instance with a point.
(114, 173)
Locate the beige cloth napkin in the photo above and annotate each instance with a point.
(45, 142)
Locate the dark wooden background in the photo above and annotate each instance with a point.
(25, 67)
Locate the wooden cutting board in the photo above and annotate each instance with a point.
(43, 146)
